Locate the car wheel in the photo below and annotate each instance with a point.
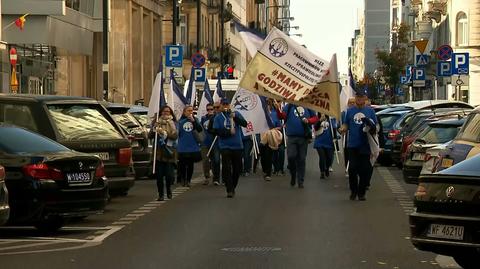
(50, 224)
(467, 260)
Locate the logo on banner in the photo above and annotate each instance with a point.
(278, 47)
(246, 101)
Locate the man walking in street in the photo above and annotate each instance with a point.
(350, 103)
(298, 121)
(211, 162)
(359, 120)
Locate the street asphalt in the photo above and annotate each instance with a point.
(266, 225)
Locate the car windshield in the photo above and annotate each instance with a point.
(142, 118)
(438, 134)
(471, 129)
(388, 120)
(17, 140)
(77, 122)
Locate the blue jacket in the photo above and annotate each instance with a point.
(325, 139)
(293, 121)
(207, 142)
(186, 139)
(356, 119)
(222, 125)
(275, 119)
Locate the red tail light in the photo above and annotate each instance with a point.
(2, 173)
(421, 191)
(100, 171)
(393, 134)
(124, 156)
(42, 171)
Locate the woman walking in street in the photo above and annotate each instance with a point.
(166, 131)
(324, 129)
(188, 145)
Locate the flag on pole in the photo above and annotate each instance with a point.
(20, 22)
(191, 90)
(252, 39)
(347, 92)
(254, 109)
(157, 97)
(206, 99)
(218, 95)
(178, 100)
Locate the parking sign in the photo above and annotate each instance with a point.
(460, 63)
(199, 74)
(419, 74)
(174, 56)
(444, 69)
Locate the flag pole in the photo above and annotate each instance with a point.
(213, 144)
(155, 145)
(333, 139)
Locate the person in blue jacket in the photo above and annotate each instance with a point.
(188, 145)
(278, 157)
(227, 126)
(298, 121)
(324, 140)
(357, 119)
(212, 161)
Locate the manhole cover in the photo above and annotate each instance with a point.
(252, 249)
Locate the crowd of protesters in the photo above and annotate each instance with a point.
(218, 143)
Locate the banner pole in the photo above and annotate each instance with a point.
(211, 147)
(333, 140)
(155, 146)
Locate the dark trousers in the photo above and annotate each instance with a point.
(297, 153)
(325, 159)
(231, 160)
(164, 171)
(278, 159)
(247, 156)
(211, 162)
(185, 169)
(359, 171)
(266, 154)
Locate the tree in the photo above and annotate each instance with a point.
(393, 62)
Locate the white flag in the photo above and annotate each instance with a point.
(178, 100)
(254, 109)
(154, 103)
(206, 99)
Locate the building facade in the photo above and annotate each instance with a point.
(377, 31)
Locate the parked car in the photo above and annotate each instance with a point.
(436, 132)
(389, 118)
(446, 220)
(465, 145)
(4, 206)
(79, 123)
(138, 136)
(141, 114)
(47, 182)
(432, 157)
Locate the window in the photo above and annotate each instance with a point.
(19, 115)
(439, 134)
(471, 128)
(462, 29)
(16, 140)
(82, 122)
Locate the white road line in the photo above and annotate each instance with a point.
(147, 207)
(121, 223)
(128, 218)
(31, 245)
(446, 262)
(141, 211)
(135, 215)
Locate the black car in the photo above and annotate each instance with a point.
(47, 182)
(447, 216)
(4, 206)
(79, 123)
(138, 136)
(435, 133)
(389, 119)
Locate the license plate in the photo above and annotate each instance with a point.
(446, 231)
(447, 162)
(418, 157)
(78, 178)
(104, 156)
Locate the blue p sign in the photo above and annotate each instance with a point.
(419, 74)
(174, 56)
(199, 74)
(460, 63)
(444, 69)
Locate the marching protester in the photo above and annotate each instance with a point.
(227, 126)
(269, 142)
(247, 155)
(211, 162)
(350, 103)
(278, 157)
(166, 155)
(188, 145)
(359, 120)
(298, 121)
(325, 132)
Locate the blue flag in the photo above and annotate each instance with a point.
(219, 94)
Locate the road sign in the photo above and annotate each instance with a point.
(199, 74)
(403, 80)
(13, 56)
(422, 60)
(421, 45)
(198, 60)
(419, 74)
(444, 69)
(460, 63)
(460, 80)
(174, 56)
(444, 52)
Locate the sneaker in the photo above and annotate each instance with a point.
(353, 196)
(216, 183)
(322, 175)
(230, 195)
(327, 173)
(282, 173)
(169, 196)
(267, 178)
(246, 174)
(362, 198)
(160, 198)
(275, 174)
(300, 185)
(292, 182)
(330, 169)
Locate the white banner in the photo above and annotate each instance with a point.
(250, 106)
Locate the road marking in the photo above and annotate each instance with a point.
(122, 222)
(141, 211)
(135, 215)
(30, 245)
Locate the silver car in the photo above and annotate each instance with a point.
(4, 208)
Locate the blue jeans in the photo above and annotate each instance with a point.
(325, 159)
(297, 153)
(246, 155)
(279, 159)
